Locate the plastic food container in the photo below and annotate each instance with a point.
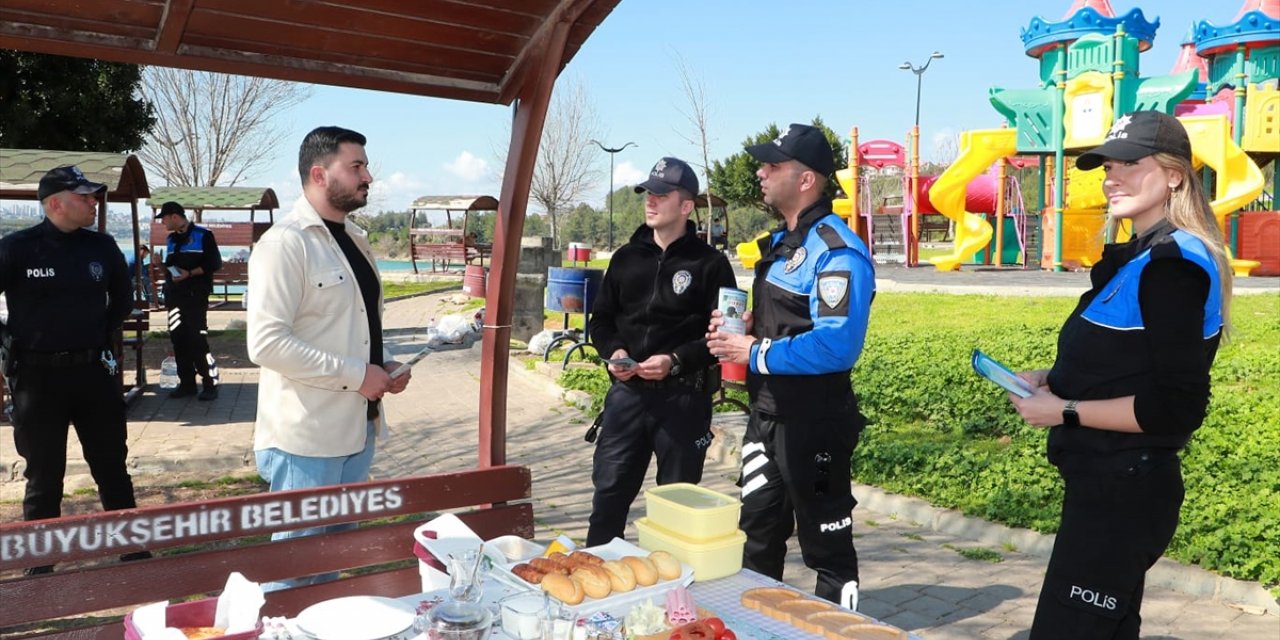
(515, 548)
(692, 512)
(710, 560)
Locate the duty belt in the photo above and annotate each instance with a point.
(691, 381)
(59, 358)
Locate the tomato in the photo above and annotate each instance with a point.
(727, 634)
(716, 625)
(699, 631)
(676, 635)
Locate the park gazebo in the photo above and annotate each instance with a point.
(229, 233)
(20, 173)
(715, 229)
(456, 240)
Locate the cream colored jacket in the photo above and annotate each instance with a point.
(309, 335)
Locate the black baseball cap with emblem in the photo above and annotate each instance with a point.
(802, 143)
(66, 178)
(170, 207)
(1137, 135)
(669, 174)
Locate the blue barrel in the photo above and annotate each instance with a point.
(572, 290)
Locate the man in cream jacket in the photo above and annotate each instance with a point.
(315, 327)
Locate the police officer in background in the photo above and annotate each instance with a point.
(68, 292)
(653, 308)
(191, 259)
(812, 298)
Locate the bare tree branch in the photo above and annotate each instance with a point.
(697, 112)
(567, 166)
(212, 128)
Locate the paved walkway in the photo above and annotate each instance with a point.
(914, 575)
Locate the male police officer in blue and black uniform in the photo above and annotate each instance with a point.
(190, 261)
(653, 308)
(68, 292)
(812, 297)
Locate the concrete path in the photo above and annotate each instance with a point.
(914, 575)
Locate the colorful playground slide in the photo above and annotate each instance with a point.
(978, 150)
(1240, 180)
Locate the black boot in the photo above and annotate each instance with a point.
(210, 392)
(183, 390)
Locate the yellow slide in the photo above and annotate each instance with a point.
(1239, 178)
(978, 150)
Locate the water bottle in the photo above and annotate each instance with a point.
(169, 373)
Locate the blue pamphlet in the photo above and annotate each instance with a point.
(989, 368)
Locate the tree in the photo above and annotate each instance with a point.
(71, 104)
(213, 128)
(698, 115)
(566, 167)
(734, 179)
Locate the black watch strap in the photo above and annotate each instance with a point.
(1070, 417)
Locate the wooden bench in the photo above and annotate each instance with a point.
(232, 274)
(198, 544)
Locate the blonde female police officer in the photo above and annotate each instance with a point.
(1131, 381)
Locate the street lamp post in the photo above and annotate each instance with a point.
(611, 152)
(912, 243)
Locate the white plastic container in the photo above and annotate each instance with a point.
(515, 548)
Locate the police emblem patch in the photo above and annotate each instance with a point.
(681, 281)
(832, 289)
(96, 270)
(795, 260)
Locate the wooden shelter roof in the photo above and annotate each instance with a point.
(456, 203)
(475, 50)
(216, 198)
(21, 170)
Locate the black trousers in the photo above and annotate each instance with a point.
(674, 423)
(1118, 516)
(189, 332)
(45, 401)
(796, 479)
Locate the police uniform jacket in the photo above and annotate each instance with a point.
(1149, 327)
(187, 250)
(308, 332)
(654, 301)
(65, 291)
(812, 298)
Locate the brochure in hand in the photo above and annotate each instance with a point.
(625, 362)
(991, 369)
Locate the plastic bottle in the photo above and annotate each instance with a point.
(169, 373)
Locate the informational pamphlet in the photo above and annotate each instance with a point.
(733, 303)
(625, 362)
(991, 369)
(408, 364)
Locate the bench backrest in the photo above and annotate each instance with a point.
(232, 534)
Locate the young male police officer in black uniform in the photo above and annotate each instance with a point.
(811, 302)
(653, 307)
(190, 260)
(68, 291)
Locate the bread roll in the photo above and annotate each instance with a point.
(621, 577)
(594, 580)
(668, 567)
(646, 573)
(563, 588)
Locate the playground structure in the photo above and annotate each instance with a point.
(452, 242)
(1089, 78)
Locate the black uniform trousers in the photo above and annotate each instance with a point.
(796, 478)
(673, 422)
(189, 332)
(1118, 516)
(46, 399)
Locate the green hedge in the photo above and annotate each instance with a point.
(940, 432)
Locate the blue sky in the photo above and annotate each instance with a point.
(761, 62)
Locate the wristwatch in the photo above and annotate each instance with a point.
(1070, 417)
(676, 368)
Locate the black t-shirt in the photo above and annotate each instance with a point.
(367, 279)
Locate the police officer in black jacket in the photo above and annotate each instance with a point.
(653, 308)
(68, 291)
(190, 260)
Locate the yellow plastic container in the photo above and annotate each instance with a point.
(692, 512)
(710, 560)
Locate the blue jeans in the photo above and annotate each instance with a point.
(287, 471)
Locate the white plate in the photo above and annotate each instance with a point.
(614, 602)
(356, 618)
